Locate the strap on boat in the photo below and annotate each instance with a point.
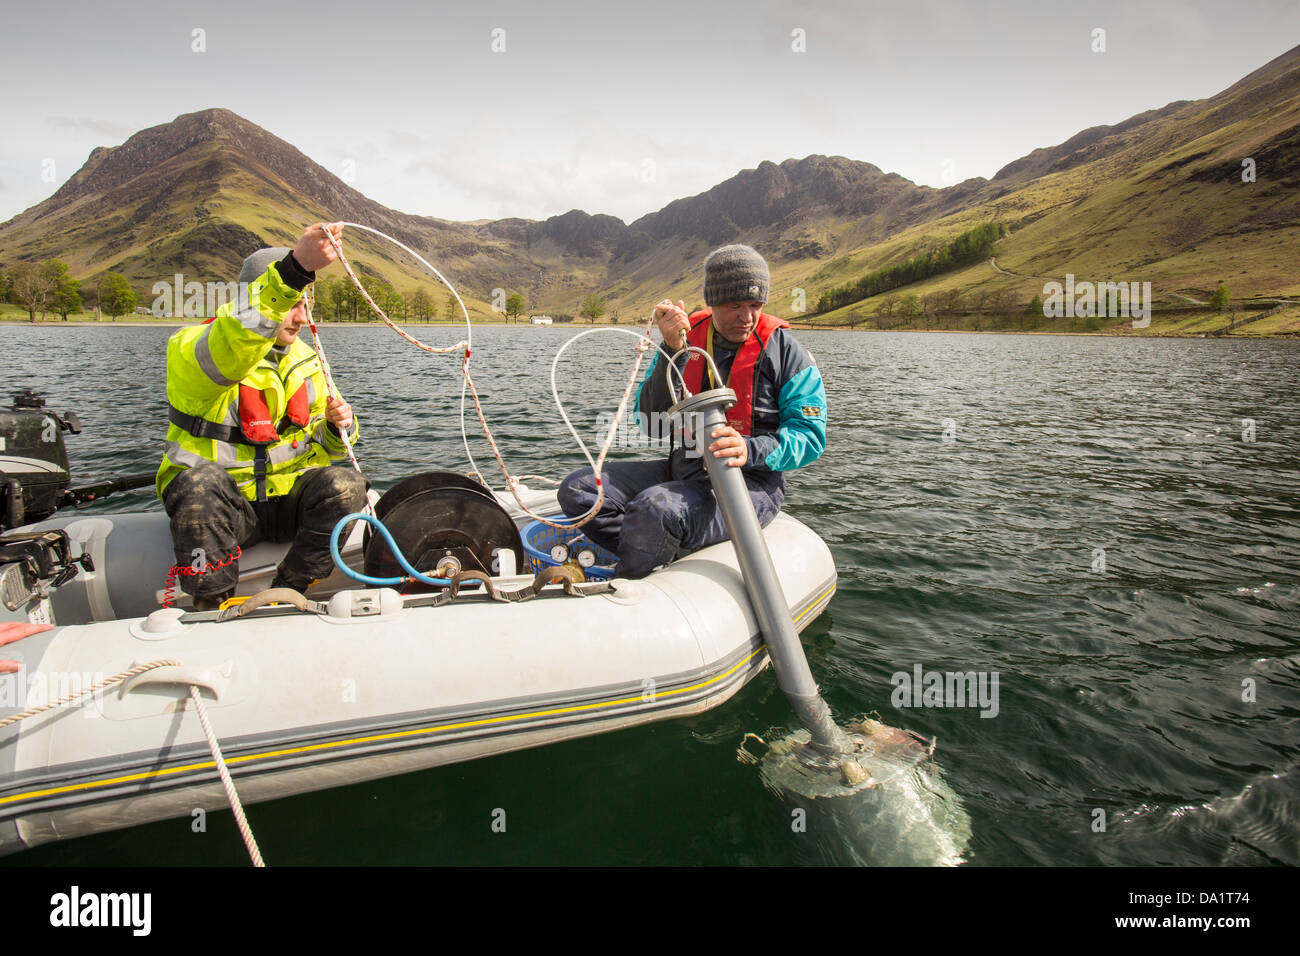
(272, 596)
(566, 577)
(561, 575)
(259, 476)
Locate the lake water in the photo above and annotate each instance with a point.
(1109, 525)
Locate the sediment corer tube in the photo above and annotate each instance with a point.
(793, 675)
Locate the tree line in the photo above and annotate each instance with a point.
(47, 287)
(969, 247)
(337, 298)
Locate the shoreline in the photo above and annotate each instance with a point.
(798, 327)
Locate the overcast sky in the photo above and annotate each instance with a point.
(609, 108)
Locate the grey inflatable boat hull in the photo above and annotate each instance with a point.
(305, 702)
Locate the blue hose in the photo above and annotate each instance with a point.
(392, 546)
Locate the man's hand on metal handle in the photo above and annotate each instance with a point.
(673, 323)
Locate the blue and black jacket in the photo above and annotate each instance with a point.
(789, 424)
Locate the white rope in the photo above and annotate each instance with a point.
(228, 784)
(468, 343)
(213, 746)
(76, 695)
(467, 385)
(644, 342)
(334, 392)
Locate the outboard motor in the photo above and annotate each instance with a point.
(34, 478)
(33, 564)
(33, 459)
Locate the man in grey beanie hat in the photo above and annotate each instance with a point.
(735, 274)
(253, 430)
(656, 511)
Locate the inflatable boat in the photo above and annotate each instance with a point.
(359, 682)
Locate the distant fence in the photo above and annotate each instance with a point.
(1250, 318)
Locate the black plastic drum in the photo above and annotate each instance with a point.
(441, 519)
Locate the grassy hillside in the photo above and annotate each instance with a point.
(1157, 198)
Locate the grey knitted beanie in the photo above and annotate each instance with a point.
(260, 261)
(735, 274)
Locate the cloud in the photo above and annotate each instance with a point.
(1169, 32)
(100, 129)
(537, 187)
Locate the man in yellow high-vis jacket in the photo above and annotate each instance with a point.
(253, 432)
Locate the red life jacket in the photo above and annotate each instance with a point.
(255, 414)
(743, 376)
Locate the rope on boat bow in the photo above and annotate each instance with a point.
(226, 782)
(75, 696)
(213, 745)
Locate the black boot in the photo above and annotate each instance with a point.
(211, 602)
(292, 581)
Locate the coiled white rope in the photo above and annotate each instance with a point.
(466, 344)
(512, 482)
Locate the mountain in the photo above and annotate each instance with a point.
(1158, 197)
(197, 194)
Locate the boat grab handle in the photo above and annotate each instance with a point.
(214, 679)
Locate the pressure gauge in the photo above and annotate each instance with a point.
(586, 557)
(559, 553)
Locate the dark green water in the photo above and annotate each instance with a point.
(1120, 690)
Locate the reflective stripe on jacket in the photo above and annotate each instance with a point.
(206, 364)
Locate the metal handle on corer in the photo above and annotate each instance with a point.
(793, 674)
(672, 367)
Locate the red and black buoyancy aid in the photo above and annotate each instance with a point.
(255, 426)
(743, 376)
(255, 415)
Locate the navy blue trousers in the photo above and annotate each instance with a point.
(648, 520)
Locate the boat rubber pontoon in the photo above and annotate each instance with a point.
(367, 683)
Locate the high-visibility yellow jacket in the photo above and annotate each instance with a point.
(206, 365)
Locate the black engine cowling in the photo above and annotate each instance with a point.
(33, 459)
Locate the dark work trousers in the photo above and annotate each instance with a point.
(208, 513)
(648, 520)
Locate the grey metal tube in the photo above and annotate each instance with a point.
(793, 674)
